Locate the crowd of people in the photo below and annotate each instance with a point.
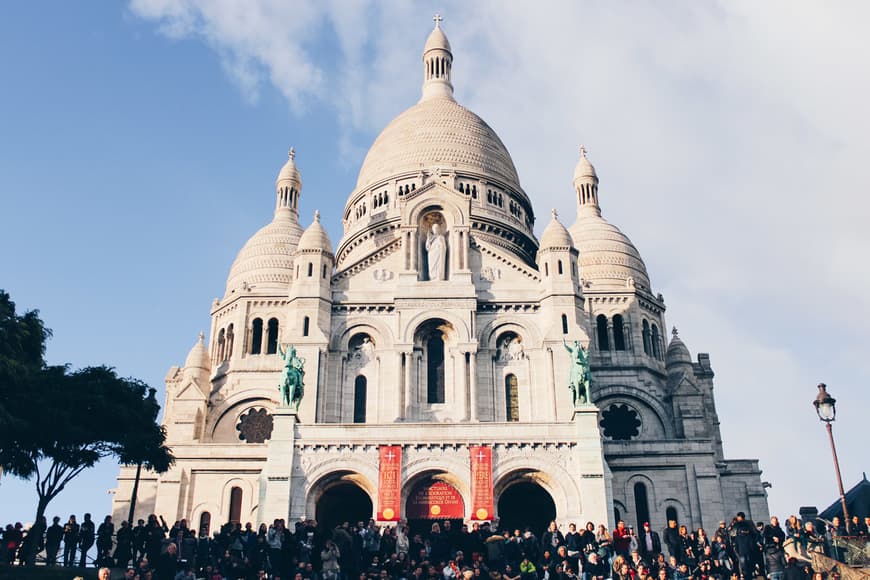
(447, 550)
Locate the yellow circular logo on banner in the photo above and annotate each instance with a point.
(389, 514)
(435, 510)
(481, 514)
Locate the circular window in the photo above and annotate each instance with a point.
(255, 426)
(620, 423)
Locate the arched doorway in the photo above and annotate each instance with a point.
(343, 502)
(525, 504)
(341, 498)
(431, 499)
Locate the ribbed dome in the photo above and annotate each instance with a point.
(315, 237)
(678, 352)
(265, 262)
(555, 235)
(198, 357)
(607, 258)
(437, 132)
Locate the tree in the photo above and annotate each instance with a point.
(55, 423)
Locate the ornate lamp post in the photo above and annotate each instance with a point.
(826, 409)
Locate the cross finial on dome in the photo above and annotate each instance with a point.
(292, 154)
(583, 151)
(201, 336)
(555, 213)
(676, 332)
(437, 18)
(317, 215)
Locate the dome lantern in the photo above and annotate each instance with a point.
(437, 65)
(288, 185)
(586, 185)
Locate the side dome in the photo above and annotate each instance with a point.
(607, 258)
(265, 262)
(198, 357)
(437, 132)
(555, 235)
(315, 237)
(678, 352)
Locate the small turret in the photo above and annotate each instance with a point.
(289, 186)
(437, 65)
(586, 186)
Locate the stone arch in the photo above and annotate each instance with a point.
(549, 475)
(331, 476)
(463, 333)
(438, 469)
(248, 499)
(207, 506)
(229, 411)
(683, 513)
(452, 207)
(630, 500)
(654, 407)
(380, 333)
(619, 506)
(488, 336)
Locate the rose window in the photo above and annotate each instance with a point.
(255, 426)
(620, 423)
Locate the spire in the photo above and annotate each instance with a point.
(437, 64)
(288, 186)
(586, 186)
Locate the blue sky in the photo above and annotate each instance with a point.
(139, 145)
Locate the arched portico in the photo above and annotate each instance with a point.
(339, 496)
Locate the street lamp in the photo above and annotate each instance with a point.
(826, 409)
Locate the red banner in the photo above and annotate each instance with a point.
(436, 501)
(389, 483)
(482, 503)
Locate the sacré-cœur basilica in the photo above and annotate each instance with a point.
(434, 340)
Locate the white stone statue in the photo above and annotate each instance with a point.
(436, 251)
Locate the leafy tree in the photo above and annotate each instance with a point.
(55, 423)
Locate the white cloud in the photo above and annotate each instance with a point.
(730, 139)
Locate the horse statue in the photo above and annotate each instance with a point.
(578, 380)
(291, 387)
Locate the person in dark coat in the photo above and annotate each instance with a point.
(552, 538)
(672, 539)
(70, 541)
(649, 545)
(124, 547)
(745, 544)
(104, 541)
(87, 535)
(53, 536)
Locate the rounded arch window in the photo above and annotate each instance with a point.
(620, 422)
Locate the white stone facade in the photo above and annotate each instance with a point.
(395, 358)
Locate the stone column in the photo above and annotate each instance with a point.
(408, 394)
(472, 387)
(275, 492)
(593, 481)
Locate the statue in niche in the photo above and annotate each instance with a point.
(579, 378)
(363, 352)
(512, 349)
(436, 253)
(292, 377)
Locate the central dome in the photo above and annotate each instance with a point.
(437, 132)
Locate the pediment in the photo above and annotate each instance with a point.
(190, 391)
